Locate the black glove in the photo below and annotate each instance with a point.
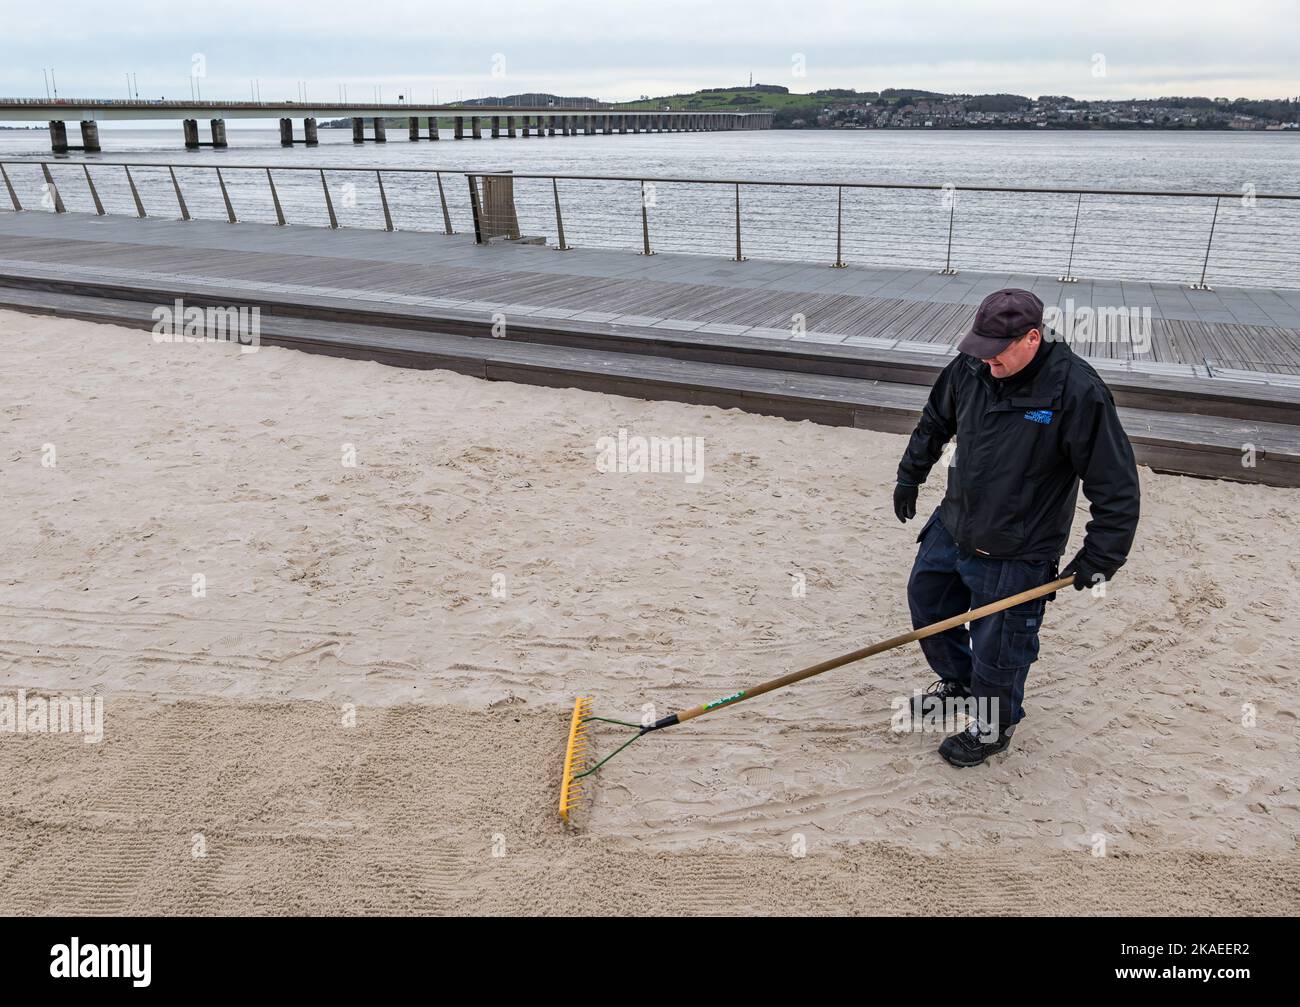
(1087, 572)
(905, 501)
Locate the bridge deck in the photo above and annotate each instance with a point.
(1197, 333)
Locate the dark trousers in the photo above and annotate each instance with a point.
(992, 658)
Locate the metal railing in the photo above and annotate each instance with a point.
(1249, 239)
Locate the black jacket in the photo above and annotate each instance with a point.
(1023, 445)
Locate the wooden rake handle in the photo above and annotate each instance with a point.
(858, 655)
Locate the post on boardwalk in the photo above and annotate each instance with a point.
(90, 136)
(442, 198)
(383, 201)
(645, 225)
(275, 200)
(329, 203)
(1202, 285)
(310, 138)
(1068, 276)
(225, 198)
(9, 187)
(218, 127)
(739, 256)
(94, 194)
(135, 193)
(180, 199)
(839, 262)
(358, 129)
(563, 246)
(52, 189)
(58, 136)
(191, 130)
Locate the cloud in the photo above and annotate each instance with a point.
(621, 50)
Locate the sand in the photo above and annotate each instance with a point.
(363, 708)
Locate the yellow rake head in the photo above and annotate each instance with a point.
(575, 757)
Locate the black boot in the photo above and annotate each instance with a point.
(967, 748)
(936, 699)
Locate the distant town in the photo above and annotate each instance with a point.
(900, 108)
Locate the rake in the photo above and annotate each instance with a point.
(577, 765)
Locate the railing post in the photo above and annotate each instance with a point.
(94, 195)
(275, 198)
(53, 189)
(13, 196)
(1206, 265)
(645, 224)
(947, 269)
(180, 200)
(329, 203)
(477, 210)
(559, 221)
(1069, 276)
(225, 196)
(135, 193)
(442, 198)
(839, 262)
(739, 256)
(383, 201)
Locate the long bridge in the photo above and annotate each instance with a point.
(466, 119)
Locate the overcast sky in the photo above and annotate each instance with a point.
(619, 50)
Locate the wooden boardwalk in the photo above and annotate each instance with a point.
(1232, 328)
(1223, 371)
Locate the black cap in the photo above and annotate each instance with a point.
(1003, 317)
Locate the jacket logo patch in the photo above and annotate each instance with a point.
(1043, 416)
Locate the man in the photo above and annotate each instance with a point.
(1032, 419)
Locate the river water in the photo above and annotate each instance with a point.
(1255, 242)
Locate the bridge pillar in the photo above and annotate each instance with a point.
(510, 126)
(381, 130)
(433, 127)
(622, 123)
(358, 130)
(496, 127)
(413, 127)
(58, 136)
(476, 127)
(90, 136)
(550, 125)
(459, 122)
(191, 130)
(286, 132)
(309, 133)
(523, 125)
(218, 128)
